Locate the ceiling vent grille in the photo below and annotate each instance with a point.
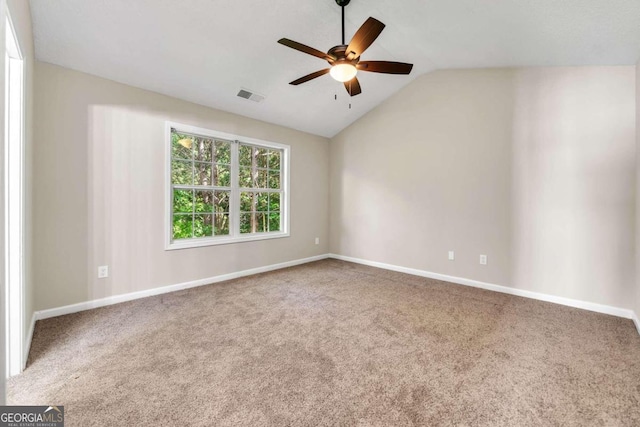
(252, 96)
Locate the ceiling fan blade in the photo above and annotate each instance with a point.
(306, 49)
(353, 87)
(386, 67)
(310, 77)
(366, 34)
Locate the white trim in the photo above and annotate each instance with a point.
(15, 218)
(636, 321)
(168, 203)
(222, 135)
(234, 217)
(211, 241)
(27, 343)
(74, 308)
(585, 305)
(13, 50)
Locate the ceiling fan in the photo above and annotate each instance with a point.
(345, 59)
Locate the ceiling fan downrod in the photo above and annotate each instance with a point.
(342, 4)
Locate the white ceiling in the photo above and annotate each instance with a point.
(204, 51)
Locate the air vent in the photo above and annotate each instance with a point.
(246, 94)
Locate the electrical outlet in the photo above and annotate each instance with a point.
(317, 240)
(103, 271)
(483, 260)
(451, 256)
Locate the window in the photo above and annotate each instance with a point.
(224, 188)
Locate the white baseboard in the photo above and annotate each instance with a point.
(102, 302)
(585, 305)
(27, 343)
(74, 308)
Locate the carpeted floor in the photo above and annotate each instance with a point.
(335, 343)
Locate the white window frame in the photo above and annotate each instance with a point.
(234, 202)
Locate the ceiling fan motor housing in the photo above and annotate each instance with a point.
(342, 3)
(340, 53)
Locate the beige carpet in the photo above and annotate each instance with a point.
(334, 343)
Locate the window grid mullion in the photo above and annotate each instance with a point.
(234, 203)
(200, 187)
(193, 191)
(193, 212)
(259, 190)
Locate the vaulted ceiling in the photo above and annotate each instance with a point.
(204, 51)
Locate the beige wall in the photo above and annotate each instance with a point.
(533, 167)
(21, 16)
(99, 190)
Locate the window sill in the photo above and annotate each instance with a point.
(214, 241)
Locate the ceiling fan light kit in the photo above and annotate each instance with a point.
(343, 72)
(345, 59)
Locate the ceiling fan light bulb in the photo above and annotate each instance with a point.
(343, 72)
